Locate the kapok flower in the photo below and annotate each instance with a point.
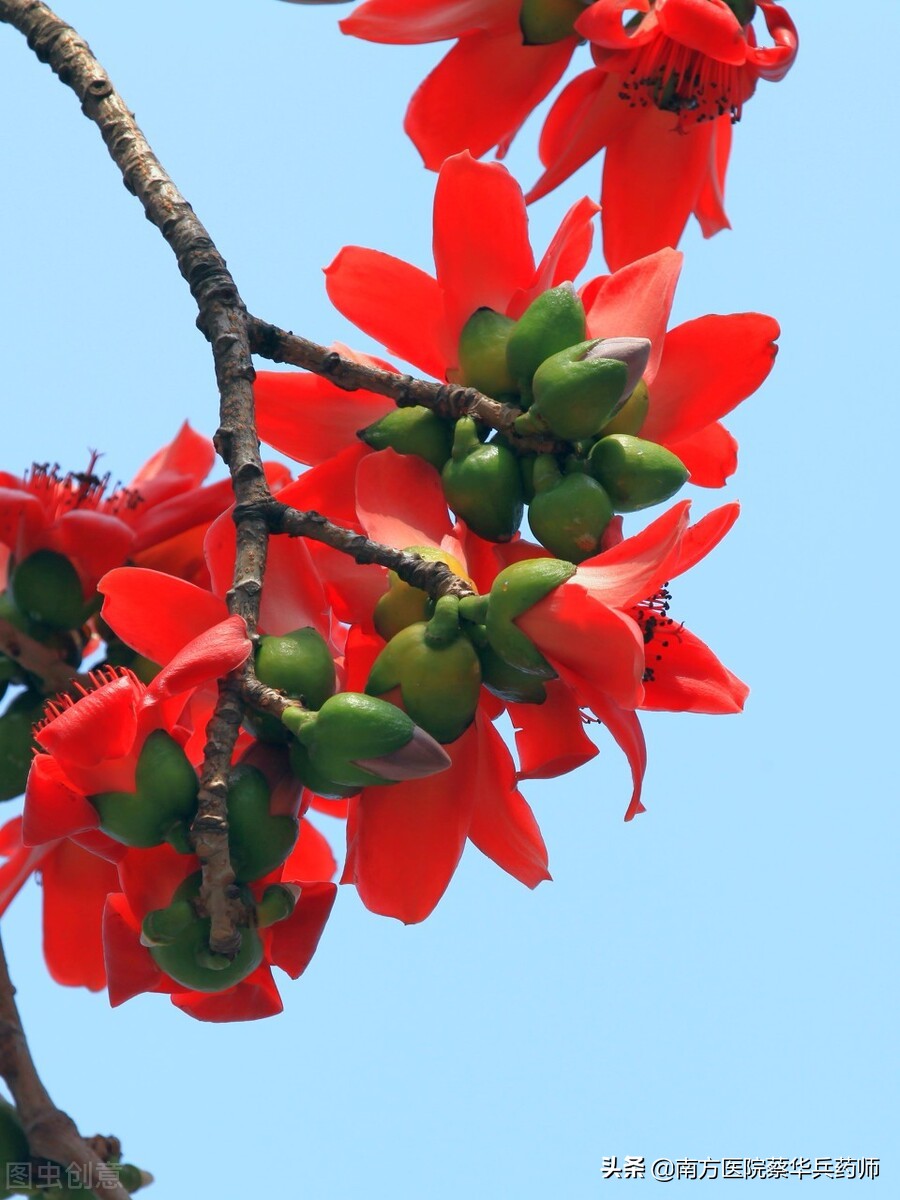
(92, 746)
(696, 373)
(661, 100)
(486, 86)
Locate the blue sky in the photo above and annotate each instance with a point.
(717, 978)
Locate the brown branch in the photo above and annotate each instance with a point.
(222, 318)
(51, 1133)
(450, 400)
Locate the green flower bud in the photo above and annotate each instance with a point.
(45, 587)
(403, 604)
(298, 664)
(516, 589)
(551, 323)
(482, 353)
(439, 684)
(14, 1146)
(357, 740)
(17, 744)
(546, 21)
(258, 840)
(635, 472)
(187, 958)
(313, 778)
(482, 484)
(163, 926)
(414, 430)
(569, 514)
(507, 682)
(633, 413)
(578, 390)
(165, 794)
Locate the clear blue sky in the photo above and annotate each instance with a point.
(716, 979)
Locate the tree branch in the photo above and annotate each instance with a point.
(51, 1133)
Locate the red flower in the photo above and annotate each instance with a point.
(483, 90)
(697, 372)
(661, 101)
(91, 746)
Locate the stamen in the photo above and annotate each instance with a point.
(96, 679)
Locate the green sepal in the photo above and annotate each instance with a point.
(483, 486)
(258, 840)
(507, 681)
(45, 587)
(278, 902)
(165, 793)
(439, 684)
(482, 353)
(414, 430)
(551, 323)
(163, 926)
(314, 779)
(570, 515)
(17, 743)
(188, 959)
(516, 589)
(545, 21)
(636, 473)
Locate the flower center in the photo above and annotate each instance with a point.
(79, 489)
(657, 627)
(674, 78)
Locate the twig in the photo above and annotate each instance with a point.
(51, 1133)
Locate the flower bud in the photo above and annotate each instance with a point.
(278, 902)
(258, 840)
(356, 740)
(482, 353)
(551, 323)
(516, 589)
(165, 795)
(633, 413)
(45, 587)
(298, 664)
(507, 682)
(483, 485)
(568, 513)
(186, 956)
(439, 684)
(414, 430)
(315, 779)
(546, 21)
(635, 472)
(578, 390)
(402, 604)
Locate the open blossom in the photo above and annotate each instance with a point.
(670, 78)
(661, 100)
(696, 373)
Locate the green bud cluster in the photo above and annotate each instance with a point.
(586, 392)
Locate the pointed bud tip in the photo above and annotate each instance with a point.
(420, 757)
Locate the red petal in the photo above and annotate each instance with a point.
(635, 302)
(149, 877)
(180, 513)
(75, 887)
(250, 1000)
(566, 254)
(21, 515)
(100, 726)
(638, 566)
(710, 207)
(21, 862)
(405, 840)
(309, 419)
(94, 542)
(181, 465)
(406, 22)
(773, 62)
(400, 500)
(481, 92)
(311, 858)
(394, 302)
(688, 677)
(710, 455)
(709, 366)
(708, 26)
(294, 940)
(550, 737)
(157, 614)
(210, 656)
(703, 536)
(53, 809)
(481, 247)
(130, 968)
(585, 117)
(503, 826)
(652, 180)
(602, 24)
